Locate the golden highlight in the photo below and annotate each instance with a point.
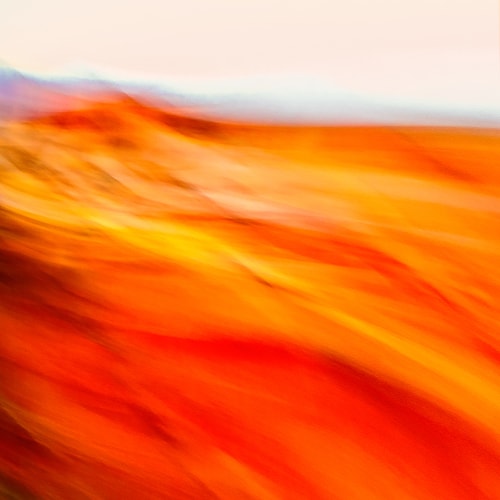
(192, 310)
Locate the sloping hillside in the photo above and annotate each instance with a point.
(198, 309)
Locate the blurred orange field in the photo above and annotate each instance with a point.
(194, 309)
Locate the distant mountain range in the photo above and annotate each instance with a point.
(265, 99)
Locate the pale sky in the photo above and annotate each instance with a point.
(437, 50)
